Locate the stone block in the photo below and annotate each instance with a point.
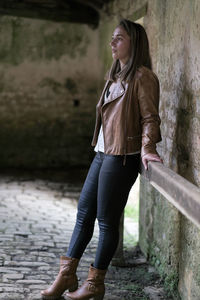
(12, 276)
(32, 281)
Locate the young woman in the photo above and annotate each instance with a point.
(127, 129)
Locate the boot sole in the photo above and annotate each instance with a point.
(99, 297)
(71, 289)
(50, 297)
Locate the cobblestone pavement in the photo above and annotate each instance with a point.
(36, 222)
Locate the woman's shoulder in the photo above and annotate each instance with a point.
(144, 72)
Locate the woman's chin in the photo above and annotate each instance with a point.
(114, 56)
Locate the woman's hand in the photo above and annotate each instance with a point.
(150, 157)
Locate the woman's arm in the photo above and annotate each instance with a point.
(148, 96)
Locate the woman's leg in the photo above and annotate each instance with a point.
(115, 182)
(87, 209)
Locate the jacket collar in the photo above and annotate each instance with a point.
(118, 91)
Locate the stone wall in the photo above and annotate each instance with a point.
(169, 240)
(49, 86)
(173, 29)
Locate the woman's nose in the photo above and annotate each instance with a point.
(112, 43)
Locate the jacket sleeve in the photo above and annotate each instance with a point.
(148, 97)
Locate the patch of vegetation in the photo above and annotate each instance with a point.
(132, 287)
(130, 240)
(132, 212)
(171, 285)
(170, 278)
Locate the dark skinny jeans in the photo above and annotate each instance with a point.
(103, 196)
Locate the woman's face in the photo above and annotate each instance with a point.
(121, 46)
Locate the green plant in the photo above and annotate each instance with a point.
(132, 212)
(171, 284)
(169, 276)
(130, 240)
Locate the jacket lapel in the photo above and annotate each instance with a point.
(100, 103)
(117, 92)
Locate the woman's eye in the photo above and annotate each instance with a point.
(116, 39)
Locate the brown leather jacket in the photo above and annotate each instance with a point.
(130, 118)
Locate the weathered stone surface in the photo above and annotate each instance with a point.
(48, 93)
(154, 293)
(24, 263)
(11, 296)
(14, 276)
(31, 281)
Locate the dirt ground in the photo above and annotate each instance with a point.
(138, 280)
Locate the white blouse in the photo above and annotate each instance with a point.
(100, 142)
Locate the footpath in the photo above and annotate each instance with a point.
(36, 221)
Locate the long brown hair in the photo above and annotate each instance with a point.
(140, 55)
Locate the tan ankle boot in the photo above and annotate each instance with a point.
(93, 287)
(65, 280)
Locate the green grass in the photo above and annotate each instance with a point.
(129, 241)
(132, 212)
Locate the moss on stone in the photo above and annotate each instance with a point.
(168, 274)
(71, 85)
(51, 83)
(40, 40)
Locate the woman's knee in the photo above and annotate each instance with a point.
(85, 219)
(111, 225)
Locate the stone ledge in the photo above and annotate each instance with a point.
(184, 195)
